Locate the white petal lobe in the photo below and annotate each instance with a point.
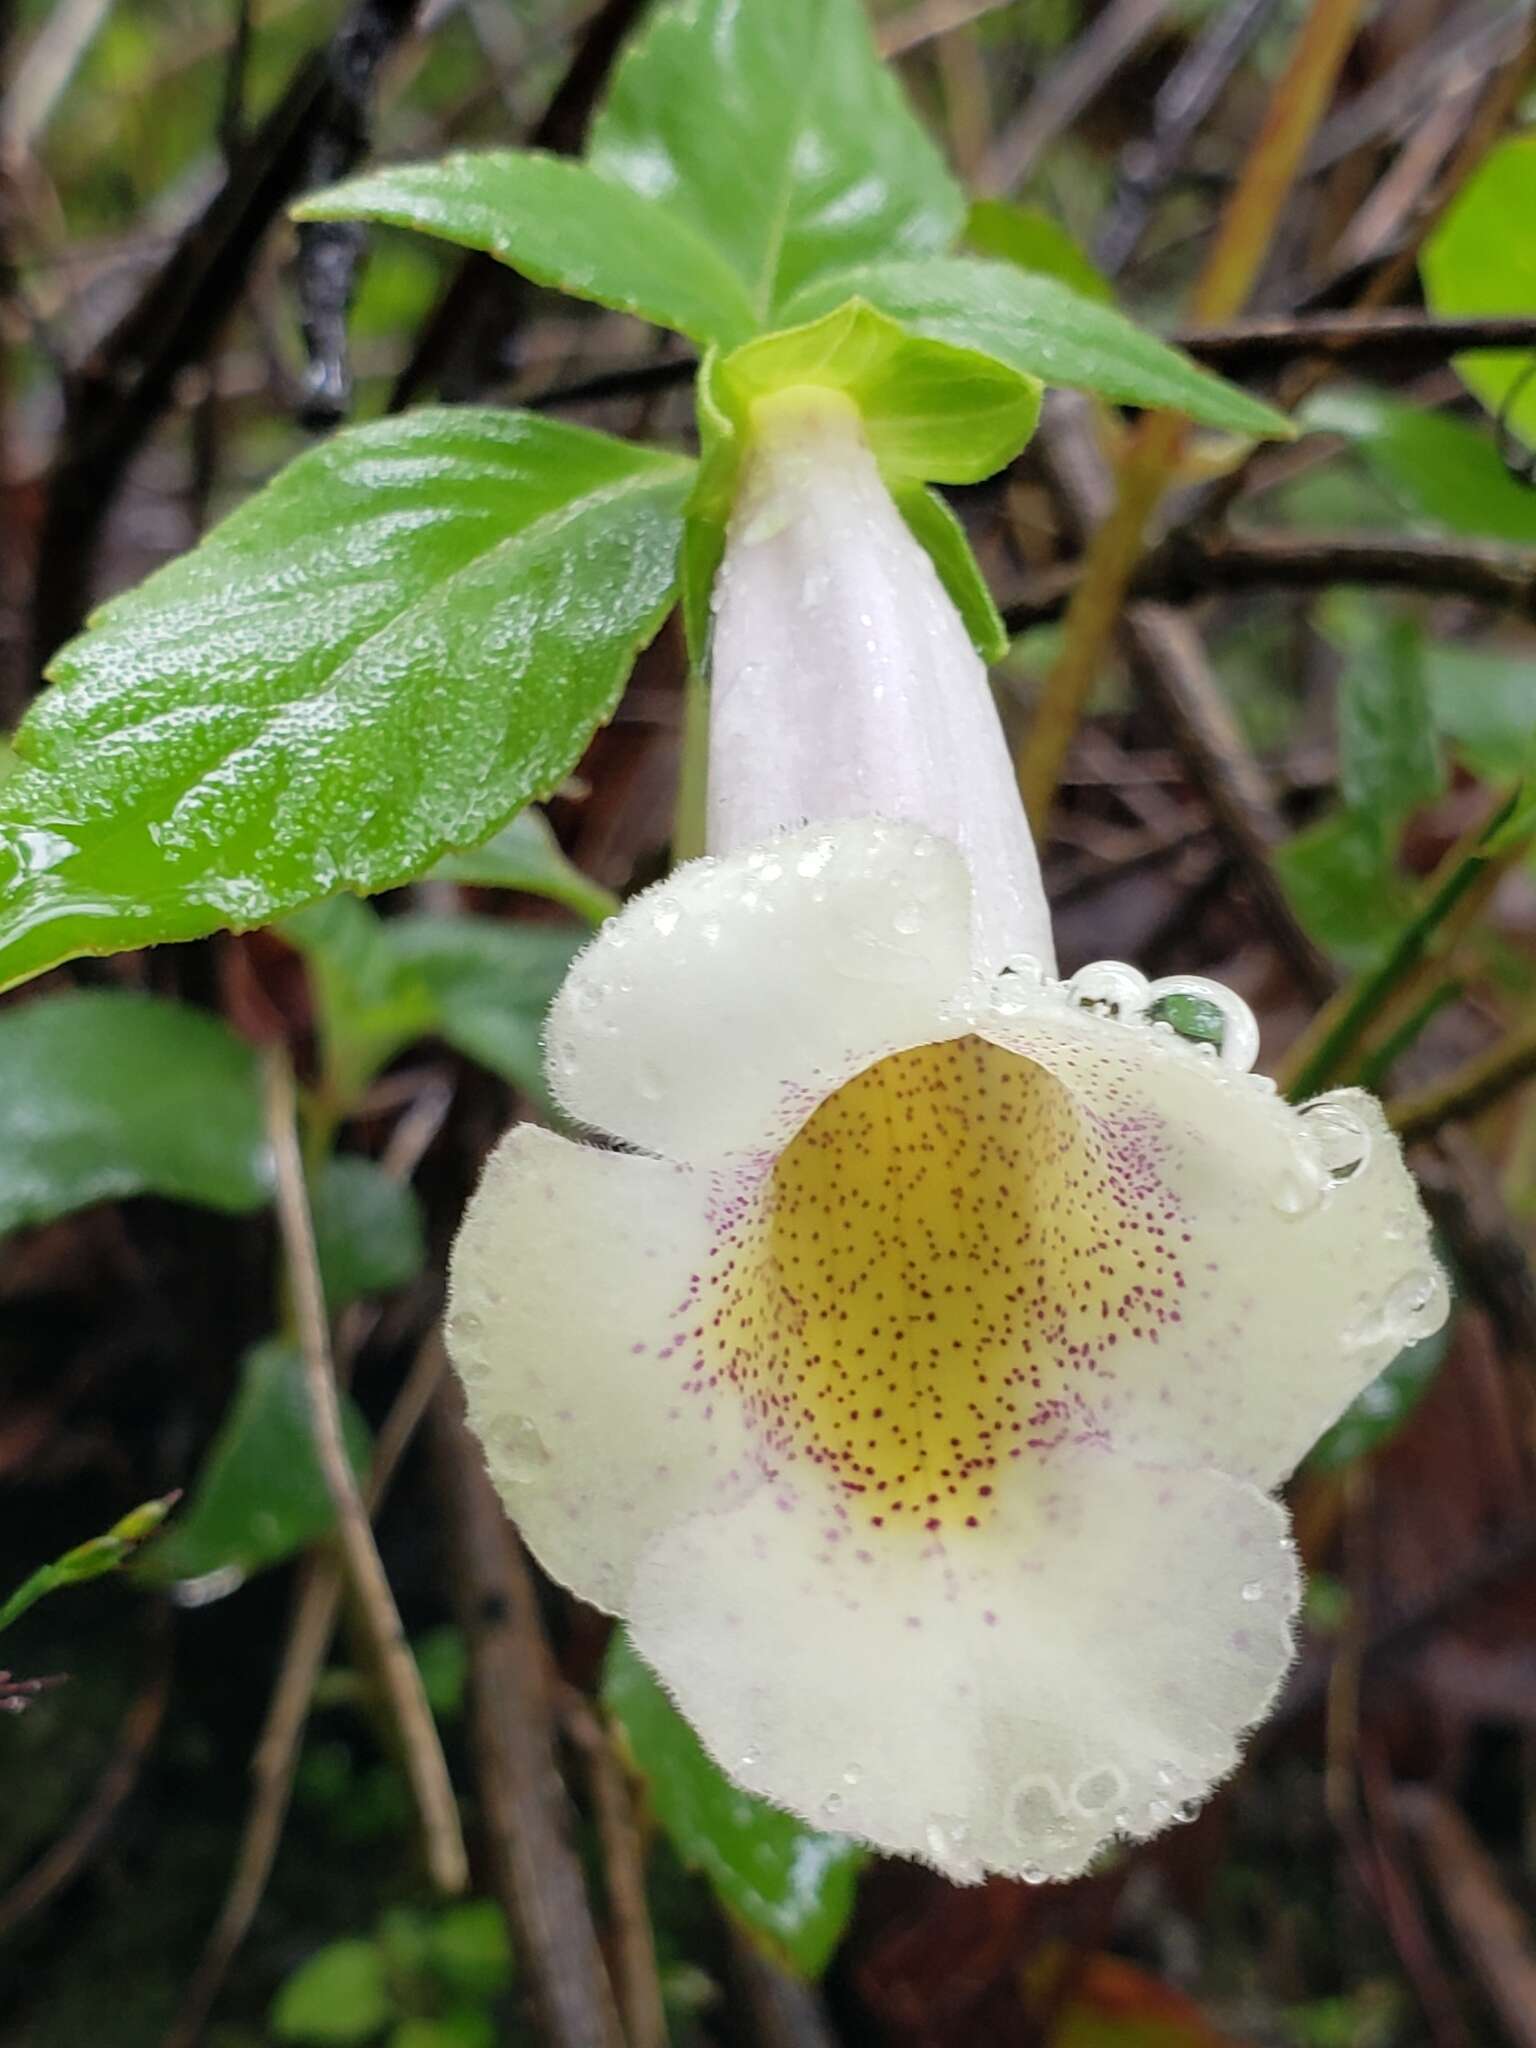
(1086, 1666)
(571, 1322)
(710, 1016)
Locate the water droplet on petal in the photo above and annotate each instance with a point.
(1254, 1590)
(1339, 1134)
(1186, 1810)
(832, 1805)
(852, 1774)
(1110, 987)
(648, 1083)
(1031, 1873)
(1207, 1013)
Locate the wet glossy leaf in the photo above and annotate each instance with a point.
(367, 1230)
(561, 223)
(381, 657)
(1440, 470)
(772, 129)
(1027, 237)
(104, 1095)
(1481, 259)
(340, 1995)
(260, 1494)
(787, 1884)
(1038, 325)
(526, 856)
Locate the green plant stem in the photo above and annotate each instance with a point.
(1323, 1052)
(1152, 456)
(1378, 1063)
(690, 828)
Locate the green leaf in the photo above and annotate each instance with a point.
(1037, 325)
(772, 129)
(940, 532)
(89, 1560)
(260, 1495)
(490, 984)
(369, 1003)
(525, 855)
(381, 657)
(1028, 238)
(932, 411)
(561, 223)
(340, 1995)
(1481, 260)
(480, 983)
(368, 1230)
(1484, 701)
(1379, 1411)
(1344, 883)
(104, 1095)
(789, 1885)
(1509, 830)
(1389, 760)
(467, 2029)
(1439, 469)
(469, 1951)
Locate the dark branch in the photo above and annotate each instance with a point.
(1192, 564)
(117, 395)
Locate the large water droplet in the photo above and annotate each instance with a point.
(1340, 1137)
(1207, 1014)
(1111, 987)
(1411, 1310)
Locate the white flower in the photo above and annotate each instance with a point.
(915, 1387)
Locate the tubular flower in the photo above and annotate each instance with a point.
(915, 1382)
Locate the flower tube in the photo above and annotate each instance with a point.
(915, 1381)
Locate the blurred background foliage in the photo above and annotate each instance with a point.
(1306, 770)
